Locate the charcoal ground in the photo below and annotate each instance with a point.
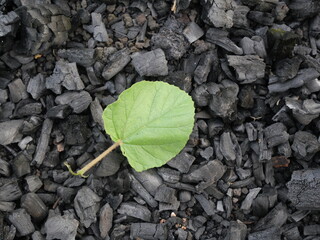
(251, 167)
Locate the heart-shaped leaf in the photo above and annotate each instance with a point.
(153, 121)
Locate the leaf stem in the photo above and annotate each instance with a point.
(87, 167)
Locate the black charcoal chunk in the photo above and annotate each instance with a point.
(275, 218)
(151, 63)
(171, 42)
(21, 165)
(7, 207)
(22, 221)
(201, 95)
(84, 57)
(311, 230)
(185, 196)
(247, 202)
(18, 90)
(262, 18)
(10, 191)
(3, 96)
(27, 107)
(96, 112)
(264, 201)
(105, 220)
(218, 13)
(305, 145)
(61, 227)
(34, 206)
(207, 63)
(182, 162)
(237, 230)
(34, 183)
(59, 112)
(303, 76)
(116, 62)
(92, 76)
(276, 134)
(304, 111)
(223, 100)
(206, 174)
(119, 29)
(8, 24)
(109, 165)
(37, 236)
(169, 175)
(142, 192)
(230, 148)
(207, 205)
(249, 68)
(86, 204)
(193, 32)
(304, 189)
(78, 101)
(65, 74)
(66, 194)
(149, 179)
(273, 233)
(240, 17)
(304, 9)
(97, 28)
(43, 142)
(148, 231)
(135, 210)
(288, 68)
(220, 38)
(253, 46)
(4, 168)
(165, 194)
(207, 153)
(36, 86)
(173, 206)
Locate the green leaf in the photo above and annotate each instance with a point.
(153, 120)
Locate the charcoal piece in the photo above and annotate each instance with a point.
(120, 83)
(27, 107)
(36, 86)
(223, 102)
(34, 183)
(84, 57)
(185, 196)
(249, 68)
(92, 76)
(270, 233)
(43, 25)
(313, 85)
(78, 101)
(17, 90)
(311, 230)
(43, 142)
(105, 220)
(304, 9)
(171, 42)
(201, 95)
(276, 134)
(193, 32)
(303, 76)
(10, 191)
(165, 194)
(6, 110)
(215, 127)
(61, 227)
(34, 206)
(207, 205)
(7, 207)
(251, 132)
(243, 173)
(59, 112)
(292, 233)
(21, 165)
(303, 110)
(4, 168)
(96, 112)
(3, 96)
(117, 61)
(31, 124)
(149, 179)
(264, 201)
(207, 153)
(262, 18)
(169, 175)
(288, 68)
(64, 74)
(275, 218)
(220, 38)
(97, 28)
(206, 174)
(135, 210)
(109, 165)
(142, 192)
(218, 13)
(206, 64)
(237, 230)
(303, 189)
(247, 202)
(8, 24)
(253, 46)
(37, 236)
(305, 145)
(11, 62)
(240, 17)
(86, 204)
(230, 148)
(182, 162)
(151, 63)
(22, 221)
(148, 231)
(119, 29)
(66, 194)
(173, 206)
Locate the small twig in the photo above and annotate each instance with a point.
(87, 167)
